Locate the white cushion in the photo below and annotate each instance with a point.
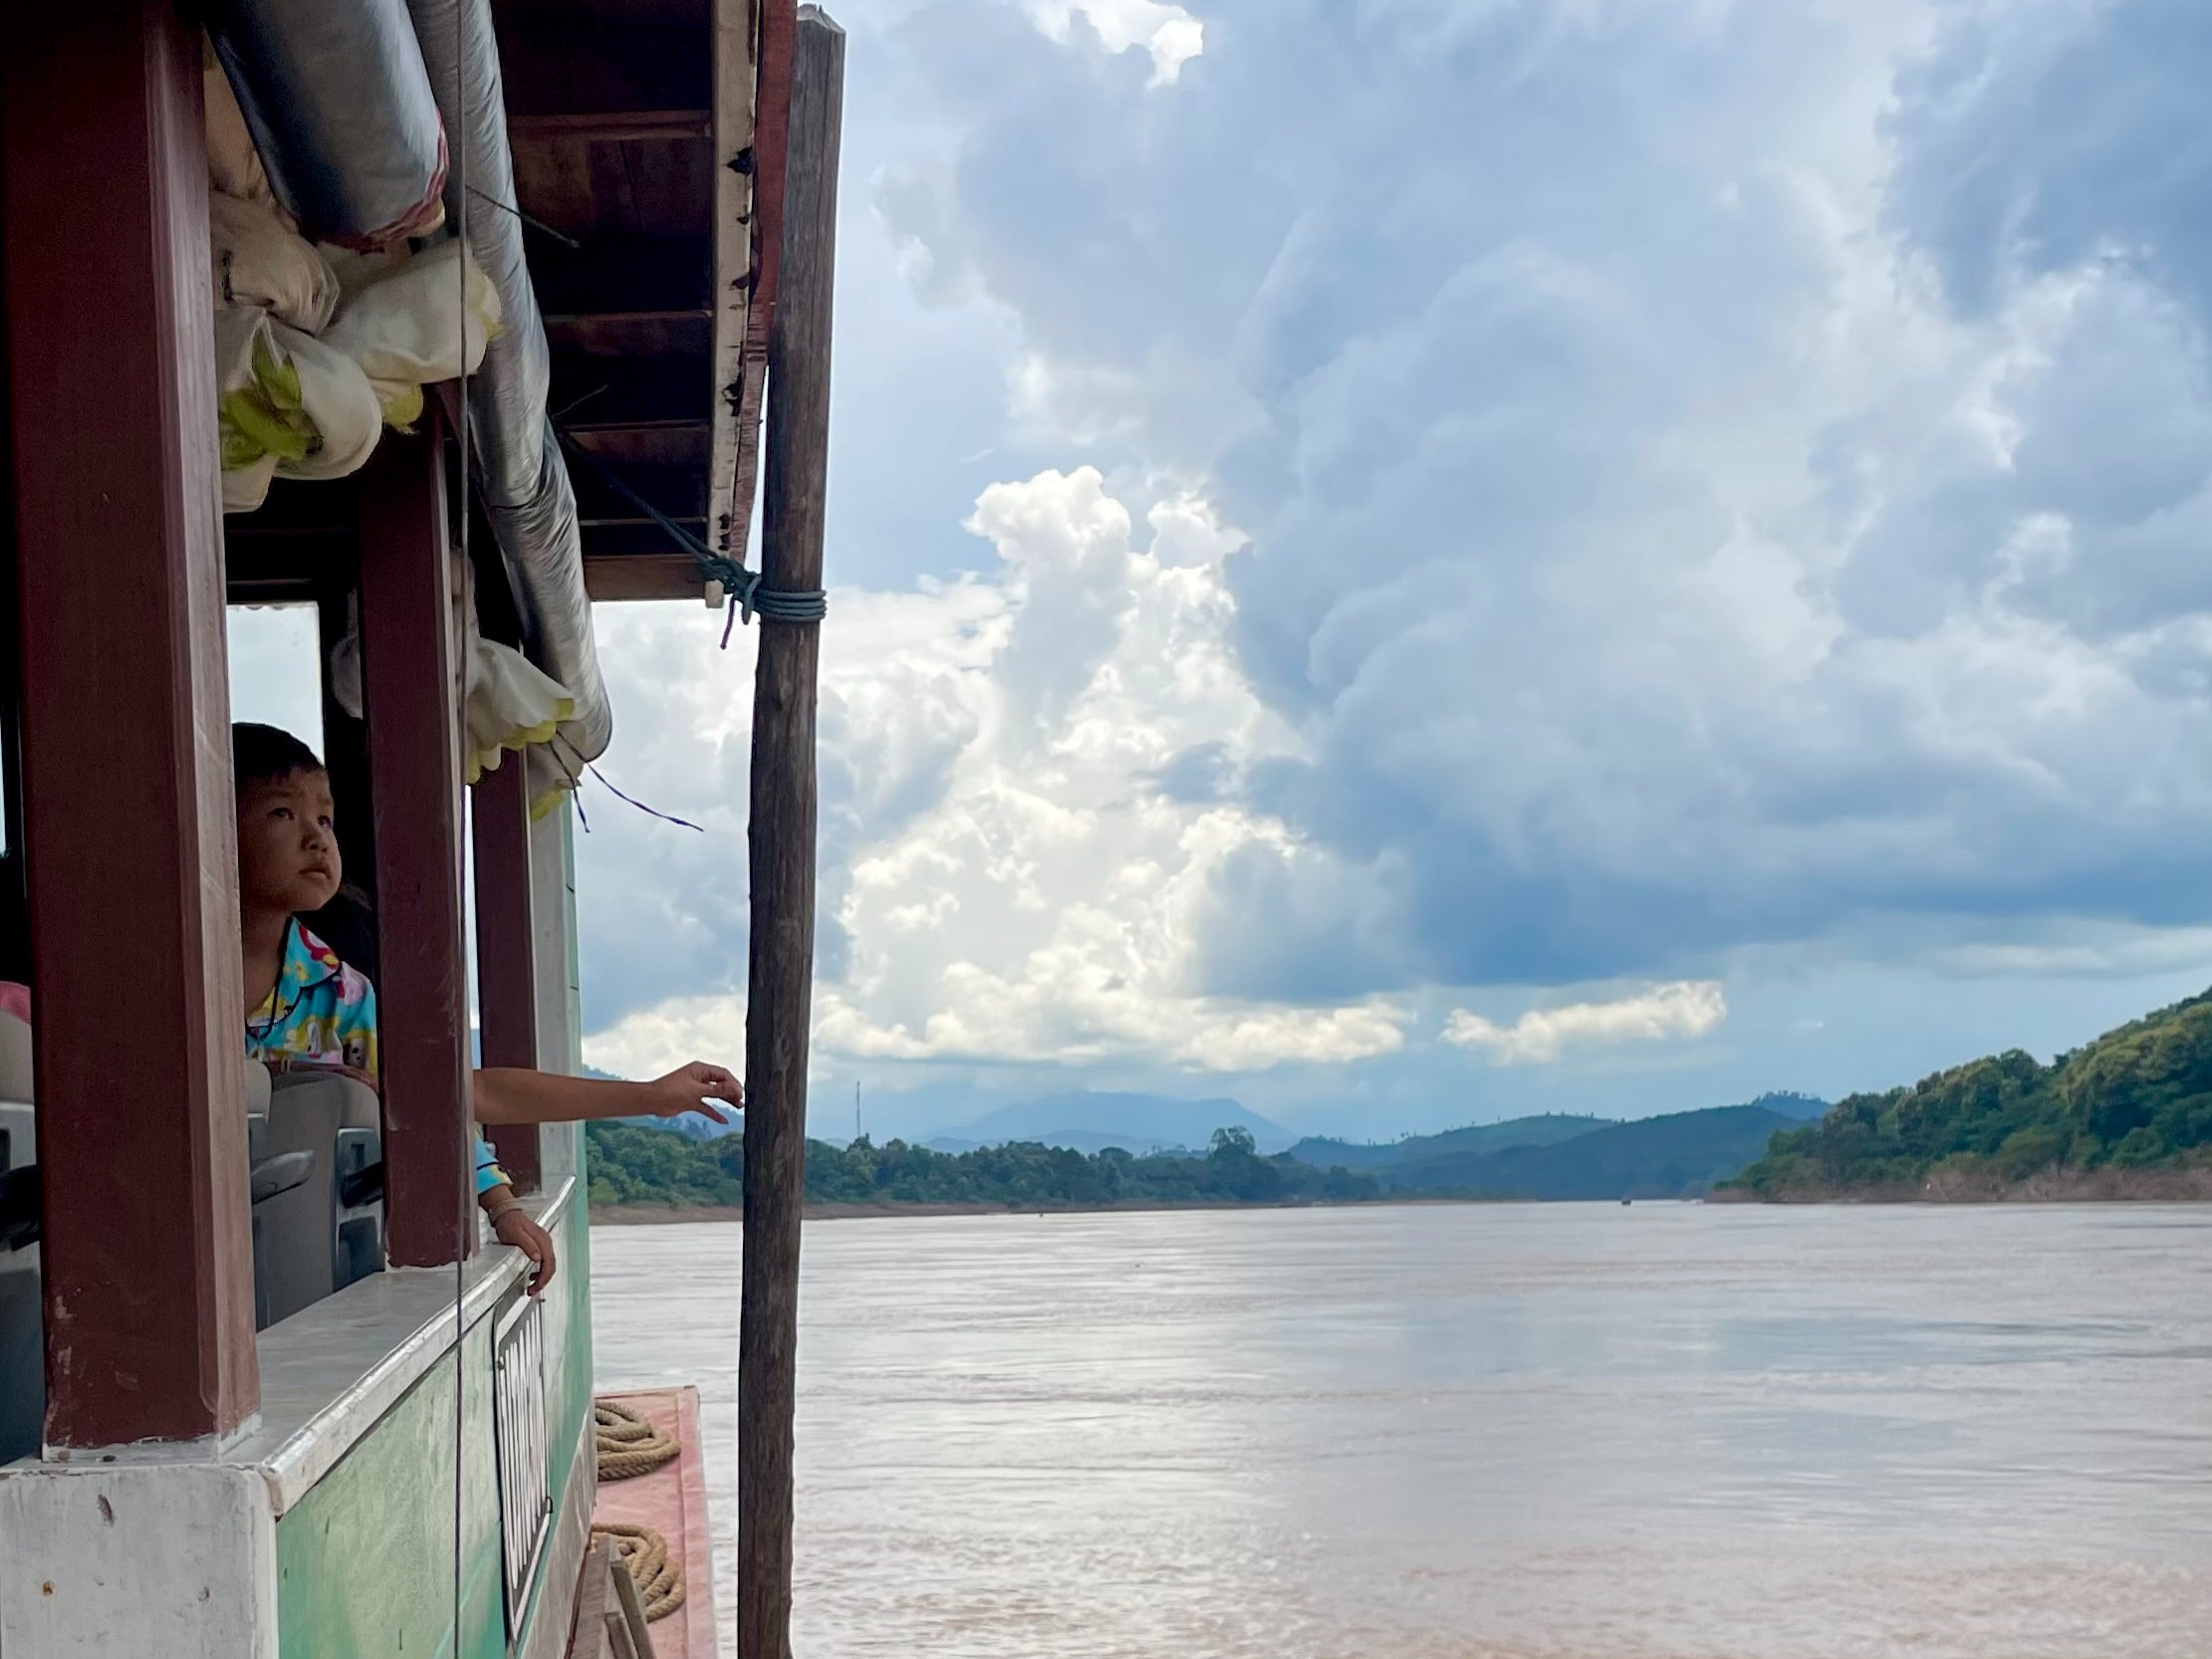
(358, 1108)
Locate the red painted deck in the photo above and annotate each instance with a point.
(672, 1502)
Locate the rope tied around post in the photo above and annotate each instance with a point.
(740, 583)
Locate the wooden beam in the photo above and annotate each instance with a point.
(674, 333)
(343, 925)
(616, 545)
(505, 948)
(588, 434)
(410, 692)
(131, 826)
(644, 576)
(612, 126)
(659, 316)
(660, 443)
(780, 979)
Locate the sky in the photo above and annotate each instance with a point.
(1411, 561)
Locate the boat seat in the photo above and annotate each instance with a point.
(311, 1241)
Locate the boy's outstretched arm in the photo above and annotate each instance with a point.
(507, 1094)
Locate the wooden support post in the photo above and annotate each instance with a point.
(131, 826)
(409, 693)
(505, 948)
(780, 985)
(344, 926)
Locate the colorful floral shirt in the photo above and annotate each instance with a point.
(323, 1013)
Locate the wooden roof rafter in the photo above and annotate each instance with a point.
(649, 140)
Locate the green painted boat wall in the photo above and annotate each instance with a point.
(365, 1562)
(569, 1339)
(567, 1331)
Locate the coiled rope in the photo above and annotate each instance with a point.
(644, 1553)
(628, 1444)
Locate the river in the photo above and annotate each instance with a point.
(1474, 1432)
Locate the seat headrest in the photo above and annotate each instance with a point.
(257, 1087)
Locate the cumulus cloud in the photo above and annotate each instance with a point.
(1542, 1036)
(1713, 473)
(1541, 493)
(1170, 34)
(1013, 874)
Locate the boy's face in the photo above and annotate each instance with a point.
(287, 849)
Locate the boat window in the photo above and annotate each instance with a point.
(276, 669)
(314, 1142)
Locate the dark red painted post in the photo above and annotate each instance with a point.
(411, 707)
(129, 826)
(505, 948)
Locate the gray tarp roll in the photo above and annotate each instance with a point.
(339, 106)
(521, 479)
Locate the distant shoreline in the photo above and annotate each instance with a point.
(665, 1215)
(2094, 1186)
(2103, 1186)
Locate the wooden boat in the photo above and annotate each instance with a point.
(403, 1462)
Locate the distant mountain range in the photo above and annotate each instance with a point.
(1679, 1155)
(1326, 1153)
(1551, 1156)
(1089, 1123)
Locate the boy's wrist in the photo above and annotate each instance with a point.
(498, 1201)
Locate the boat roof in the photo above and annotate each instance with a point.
(632, 124)
(648, 198)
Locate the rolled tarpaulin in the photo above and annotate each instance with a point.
(340, 109)
(522, 480)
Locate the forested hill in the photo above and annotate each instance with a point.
(1326, 1152)
(2139, 1099)
(651, 1167)
(1676, 1156)
(1679, 1155)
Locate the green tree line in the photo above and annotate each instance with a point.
(2136, 1098)
(632, 1165)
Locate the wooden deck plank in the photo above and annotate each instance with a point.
(672, 1502)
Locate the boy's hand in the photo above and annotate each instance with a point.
(516, 1229)
(688, 1089)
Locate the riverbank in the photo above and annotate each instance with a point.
(2054, 1186)
(664, 1215)
(667, 1215)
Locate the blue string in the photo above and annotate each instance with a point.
(748, 598)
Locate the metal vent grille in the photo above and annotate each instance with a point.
(519, 1427)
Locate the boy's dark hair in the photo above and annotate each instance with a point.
(266, 754)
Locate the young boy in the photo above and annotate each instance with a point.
(306, 1007)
